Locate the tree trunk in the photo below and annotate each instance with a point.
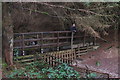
(7, 35)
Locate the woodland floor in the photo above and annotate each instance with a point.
(106, 55)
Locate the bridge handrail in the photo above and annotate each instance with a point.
(42, 32)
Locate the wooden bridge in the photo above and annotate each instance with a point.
(52, 41)
(43, 40)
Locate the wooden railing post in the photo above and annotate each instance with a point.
(58, 41)
(23, 44)
(41, 42)
(38, 42)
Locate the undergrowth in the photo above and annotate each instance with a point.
(39, 69)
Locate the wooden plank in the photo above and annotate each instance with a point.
(85, 47)
(43, 46)
(29, 63)
(54, 44)
(26, 56)
(26, 60)
(29, 33)
(46, 38)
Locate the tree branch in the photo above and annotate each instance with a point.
(82, 10)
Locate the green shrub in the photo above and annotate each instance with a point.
(92, 75)
(42, 70)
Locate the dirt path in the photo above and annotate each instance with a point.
(107, 57)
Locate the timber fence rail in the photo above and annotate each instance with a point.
(52, 58)
(52, 38)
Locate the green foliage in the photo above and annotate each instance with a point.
(92, 75)
(31, 71)
(98, 63)
(109, 47)
(45, 13)
(39, 69)
(61, 71)
(16, 53)
(4, 65)
(0, 60)
(87, 3)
